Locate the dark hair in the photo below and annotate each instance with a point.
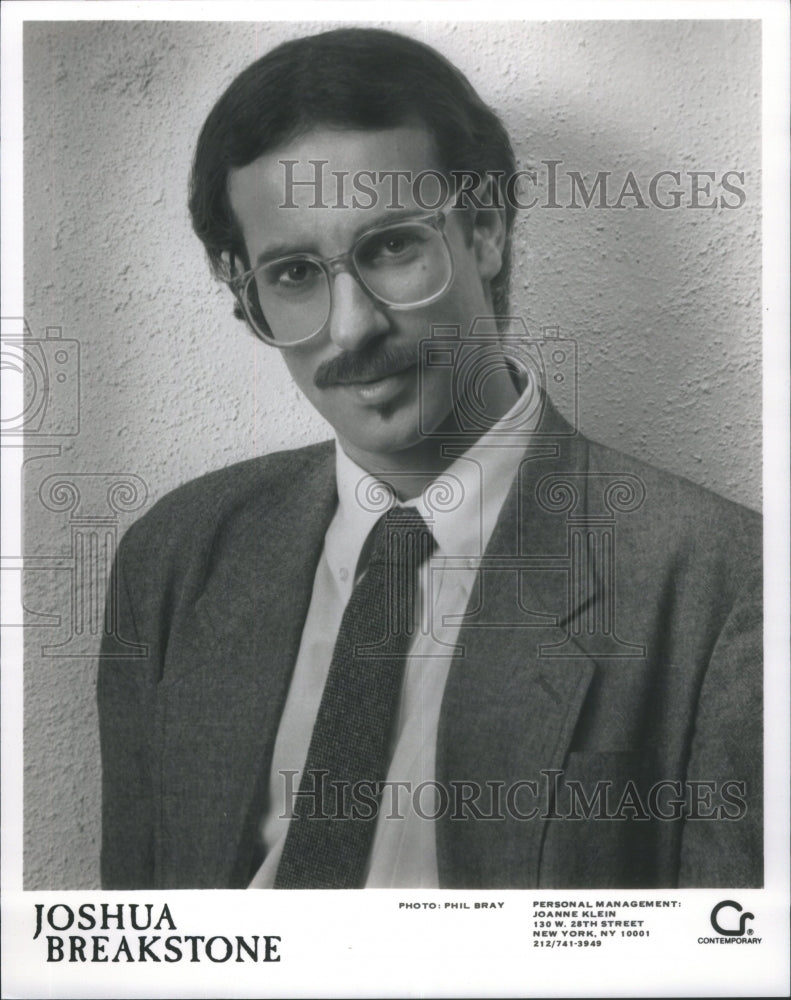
(360, 78)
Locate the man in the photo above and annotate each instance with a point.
(463, 647)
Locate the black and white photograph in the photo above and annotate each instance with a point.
(395, 438)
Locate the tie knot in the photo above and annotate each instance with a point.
(401, 535)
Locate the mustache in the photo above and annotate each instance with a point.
(367, 365)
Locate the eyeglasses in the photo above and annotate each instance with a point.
(403, 265)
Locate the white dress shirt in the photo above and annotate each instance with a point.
(461, 506)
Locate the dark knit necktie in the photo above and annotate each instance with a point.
(334, 818)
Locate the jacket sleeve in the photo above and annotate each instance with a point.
(725, 772)
(126, 723)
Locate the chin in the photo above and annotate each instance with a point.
(382, 436)
(381, 443)
(389, 431)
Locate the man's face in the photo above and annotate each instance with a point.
(361, 370)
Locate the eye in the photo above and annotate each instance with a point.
(296, 272)
(401, 242)
(396, 243)
(395, 247)
(291, 275)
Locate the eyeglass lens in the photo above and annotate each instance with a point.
(402, 265)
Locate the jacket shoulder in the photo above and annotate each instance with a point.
(673, 500)
(188, 518)
(682, 538)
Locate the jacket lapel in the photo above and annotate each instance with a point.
(219, 715)
(510, 706)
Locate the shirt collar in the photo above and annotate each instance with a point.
(461, 505)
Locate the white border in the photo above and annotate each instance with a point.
(347, 944)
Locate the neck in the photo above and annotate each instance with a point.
(409, 471)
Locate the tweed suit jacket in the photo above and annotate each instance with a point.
(609, 665)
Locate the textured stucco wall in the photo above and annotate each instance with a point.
(664, 305)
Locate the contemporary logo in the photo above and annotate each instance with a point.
(730, 918)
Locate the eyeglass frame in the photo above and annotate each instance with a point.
(333, 265)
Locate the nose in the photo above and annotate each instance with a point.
(355, 318)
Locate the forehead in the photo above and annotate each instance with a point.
(329, 184)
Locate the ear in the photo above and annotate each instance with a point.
(489, 233)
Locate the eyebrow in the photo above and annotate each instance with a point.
(277, 250)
